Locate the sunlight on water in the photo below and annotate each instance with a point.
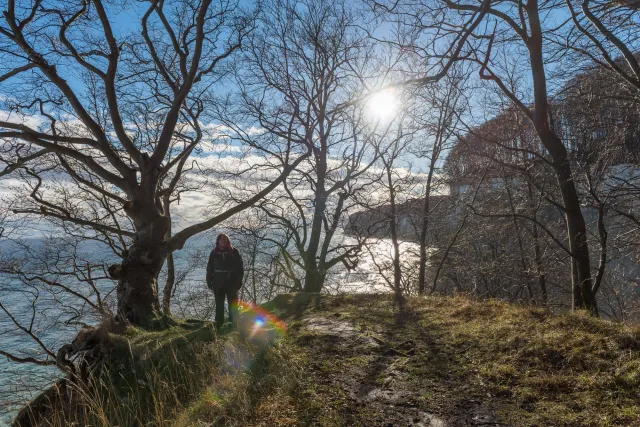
(366, 277)
(21, 382)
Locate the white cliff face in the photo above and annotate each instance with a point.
(623, 177)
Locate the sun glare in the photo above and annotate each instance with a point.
(382, 105)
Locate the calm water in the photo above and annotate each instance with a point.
(21, 382)
(52, 313)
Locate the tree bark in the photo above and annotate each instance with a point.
(576, 228)
(577, 232)
(169, 285)
(137, 276)
(313, 281)
(171, 268)
(424, 232)
(314, 278)
(393, 230)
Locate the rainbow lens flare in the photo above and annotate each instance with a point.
(260, 323)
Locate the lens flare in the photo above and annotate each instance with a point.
(260, 323)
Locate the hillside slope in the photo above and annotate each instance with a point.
(360, 360)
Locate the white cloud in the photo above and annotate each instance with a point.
(34, 122)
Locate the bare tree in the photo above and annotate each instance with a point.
(600, 117)
(518, 200)
(445, 103)
(607, 34)
(493, 32)
(119, 114)
(301, 70)
(386, 214)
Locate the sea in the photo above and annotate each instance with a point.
(55, 326)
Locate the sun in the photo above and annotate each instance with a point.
(382, 105)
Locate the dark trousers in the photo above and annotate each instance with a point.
(231, 295)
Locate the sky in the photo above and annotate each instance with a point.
(219, 152)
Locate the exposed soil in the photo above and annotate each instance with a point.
(366, 372)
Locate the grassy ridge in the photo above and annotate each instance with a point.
(460, 359)
(538, 368)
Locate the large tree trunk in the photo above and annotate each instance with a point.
(169, 285)
(313, 281)
(576, 228)
(314, 278)
(171, 268)
(577, 231)
(137, 289)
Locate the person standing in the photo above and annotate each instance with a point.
(224, 277)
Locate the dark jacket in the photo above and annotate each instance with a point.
(224, 269)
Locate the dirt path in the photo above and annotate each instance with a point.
(385, 374)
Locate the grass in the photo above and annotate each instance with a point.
(438, 355)
(546, 369)
(146, 377)
(524, 364)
